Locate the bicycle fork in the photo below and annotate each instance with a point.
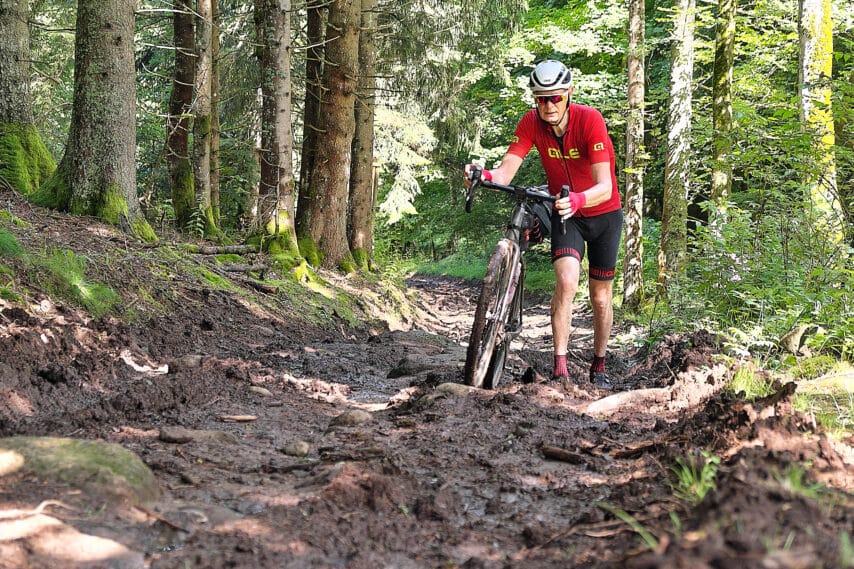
(503, 317)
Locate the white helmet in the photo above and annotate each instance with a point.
(550, 75)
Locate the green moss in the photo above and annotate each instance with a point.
(8, 218)
(362, 259)
(142, 229)
(183, 192)
(813, 367)
(309, 251)
(9, 246)
(55, 193)
(66, 277)
(24, 160)
(284, 262)
(347, 264)
(302, 273)
(93, 465)
(227, 259)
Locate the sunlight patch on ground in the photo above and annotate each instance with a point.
(10, 461)
(18, 404)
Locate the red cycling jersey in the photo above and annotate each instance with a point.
(567, 160)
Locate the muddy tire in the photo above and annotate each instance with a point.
(487, 328)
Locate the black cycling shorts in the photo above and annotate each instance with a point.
(600, 233)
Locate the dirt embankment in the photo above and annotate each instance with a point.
(279, 444)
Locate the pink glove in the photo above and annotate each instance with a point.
(577, 200)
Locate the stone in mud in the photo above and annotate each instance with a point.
(351, 418)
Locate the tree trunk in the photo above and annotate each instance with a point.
(722, 105)
(674, 231)
(633, 264)
(24, 161)
(315, 21)
(362, 189)
(202, 121)
(215, 75)
(97, 174)
(328, 190)
(180, 109)
(276, 189)
(815, 71)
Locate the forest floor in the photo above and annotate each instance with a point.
(282, 441)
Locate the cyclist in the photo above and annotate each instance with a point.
(575, 150)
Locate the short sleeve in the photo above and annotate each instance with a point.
(523, 138)
(596, 138)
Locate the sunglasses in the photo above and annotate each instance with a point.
(554, 99)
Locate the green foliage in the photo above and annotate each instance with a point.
(9, 246)
(67, 278)
(829, 400)
(749, 385)
(794, 482)
(695, 477)
(812, 367)
(648, 538)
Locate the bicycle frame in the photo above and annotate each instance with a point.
(498, 317)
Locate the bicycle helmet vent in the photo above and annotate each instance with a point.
(550, 75)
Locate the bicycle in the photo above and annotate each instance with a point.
(498, 316)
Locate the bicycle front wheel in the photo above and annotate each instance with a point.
(490, 320)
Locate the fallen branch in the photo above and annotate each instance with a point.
(564, 455)
(245, 268)
(219, 249)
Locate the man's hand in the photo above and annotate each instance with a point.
(569, 206)
(485, 174)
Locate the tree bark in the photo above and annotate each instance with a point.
(215, 128)
(722, 101)
(815, 71)
(97, 174)
(202, 117)
(276, 190)
(315, 33)
(674, 231)
(328, 190)
(362, 187)
(180, 108)
(24, 161)
(633, 263)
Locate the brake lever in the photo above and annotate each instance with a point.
(474, 178)
(564, 192)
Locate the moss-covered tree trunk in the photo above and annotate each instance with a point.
(722, 100)
(815, 71)
(633, 264)
(180, 109)
(362, 188)
(97, 173)
(674, 231)
(315, 29)
(24, 161)
(327, 195)
(202, 121)
(276, 201)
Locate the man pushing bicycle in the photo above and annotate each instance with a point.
(577, 152)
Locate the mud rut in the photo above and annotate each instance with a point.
(277, 447)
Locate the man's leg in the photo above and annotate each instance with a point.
(601, 294)
(567, 270)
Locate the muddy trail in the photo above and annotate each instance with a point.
(275, 443)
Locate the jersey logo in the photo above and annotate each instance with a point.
(598, 146)
(514, 139)
(572, 154)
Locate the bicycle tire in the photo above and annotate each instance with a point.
(495, 371)
(486, 328)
